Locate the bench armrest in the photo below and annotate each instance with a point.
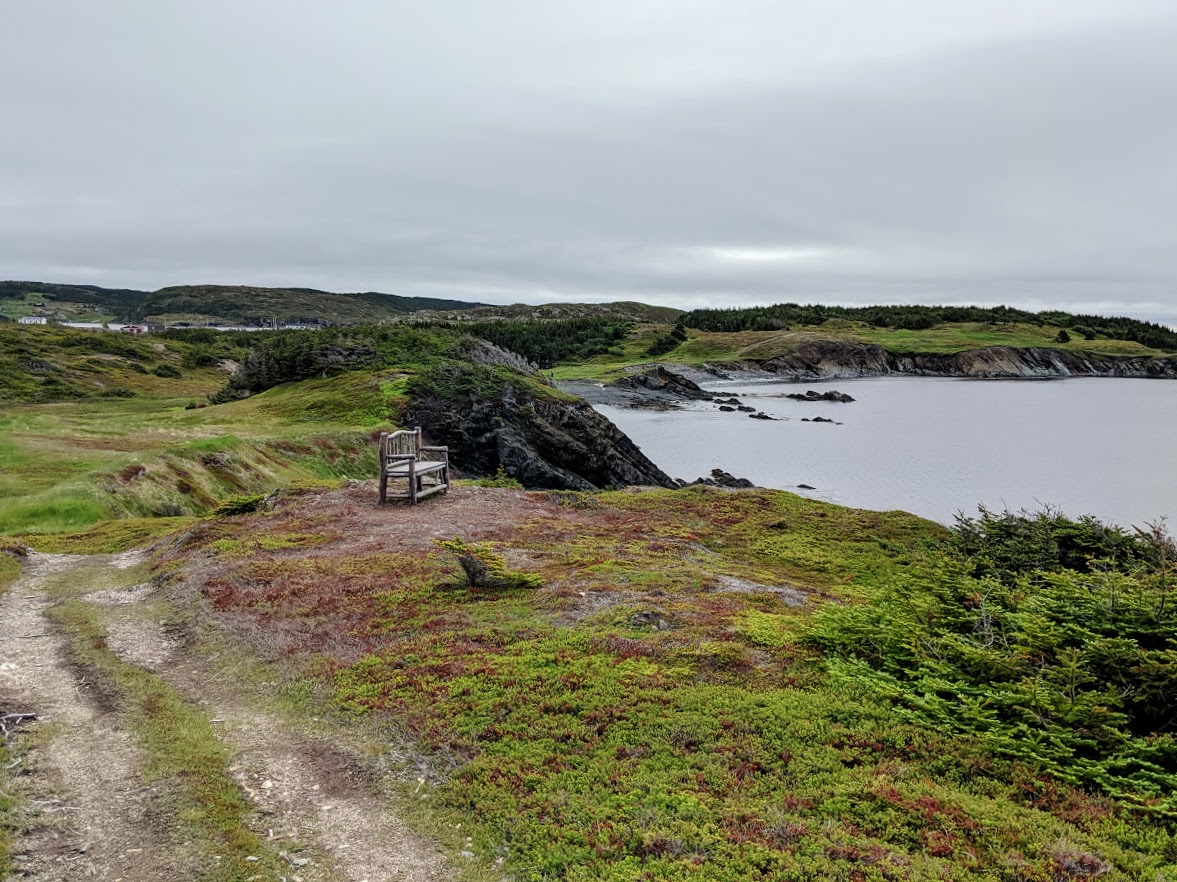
(444, 451)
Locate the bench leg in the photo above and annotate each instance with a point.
(383, 486)
(412, 483)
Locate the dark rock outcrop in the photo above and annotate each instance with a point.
(720, 478)
(664, 383)
(832, 359)
(811, 395)
(540, 441)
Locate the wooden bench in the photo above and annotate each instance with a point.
(423, 470)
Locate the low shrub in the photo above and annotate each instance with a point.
(482, 568)
(239, 505)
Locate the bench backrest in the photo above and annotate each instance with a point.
(406, 442)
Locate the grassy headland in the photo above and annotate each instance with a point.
(719, 347)
(728, 685)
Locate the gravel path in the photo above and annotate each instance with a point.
(93, 816)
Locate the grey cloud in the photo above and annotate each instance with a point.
(904, 151)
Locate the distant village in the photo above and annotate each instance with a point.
(160, 327)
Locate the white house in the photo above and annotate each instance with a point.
(33, 320)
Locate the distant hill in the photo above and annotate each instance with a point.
(68, 302)
(228, 304)
(242, 304)
(250, 305)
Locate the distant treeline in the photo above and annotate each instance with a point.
(788, 315)
(548, 343)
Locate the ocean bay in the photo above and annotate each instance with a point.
(936, 446)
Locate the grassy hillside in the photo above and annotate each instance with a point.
(240, 304)
(68, 466)
(83, 303)
(784, 316)
(41, 363)
(100, 425)
(717, 347)
(716, 686)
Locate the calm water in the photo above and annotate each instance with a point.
(934, 446)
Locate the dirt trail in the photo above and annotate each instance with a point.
(314, 803)
(94, 817)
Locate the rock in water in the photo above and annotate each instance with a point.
(720, 478)
(811, 395)
(663, 382)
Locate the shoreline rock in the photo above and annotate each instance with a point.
(664, 383)
(811, 395)
(542, 443)
(832, 359)
(720, 478)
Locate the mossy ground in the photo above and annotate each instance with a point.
(654, 711)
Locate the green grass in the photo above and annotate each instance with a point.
(593, 744)
(959, 337)
(65, 467)
(108, 537)
(184, 755)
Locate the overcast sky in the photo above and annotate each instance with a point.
(683, 152)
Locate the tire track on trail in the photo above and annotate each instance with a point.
(93, 818)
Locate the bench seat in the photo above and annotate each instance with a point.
(406, 463)
(420, 467)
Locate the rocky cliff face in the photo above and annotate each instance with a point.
(828, 359)
(542, 442)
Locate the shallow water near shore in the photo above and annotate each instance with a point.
(936, 446)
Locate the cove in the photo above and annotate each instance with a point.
(937, 446)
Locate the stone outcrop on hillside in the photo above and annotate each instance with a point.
(542, 442)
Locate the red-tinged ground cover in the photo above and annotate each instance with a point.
(658, 709)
